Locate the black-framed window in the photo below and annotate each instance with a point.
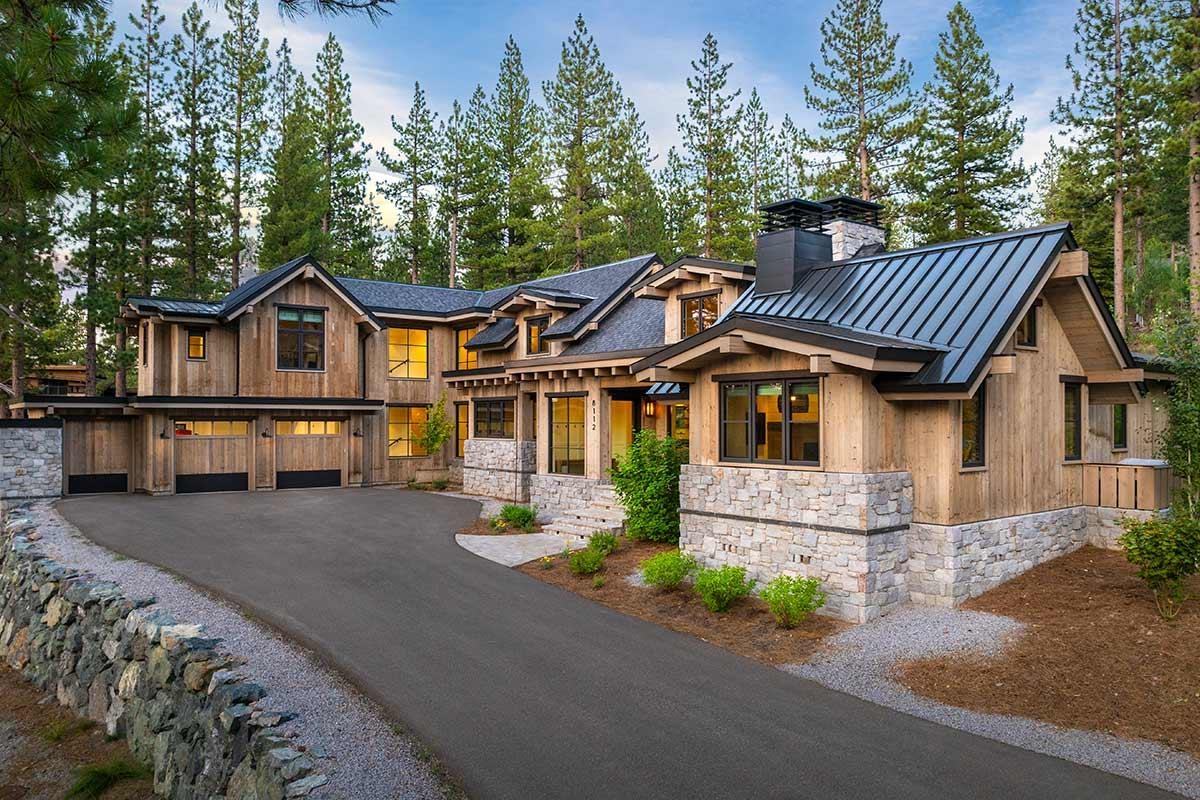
(495, 419)
(405, 425)
(408, 353)
(300, 338)
(535, 344)
(462, 428)
(197, 344)
(1120, 414)
(1027, 332)
(464, 358)
(144, 344)
(567, 434)
(1072, 421)
(773, 421)
(974, 413)
(697, 314)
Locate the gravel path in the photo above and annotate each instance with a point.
(860, 663)
(363, 755)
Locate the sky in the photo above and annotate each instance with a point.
(449, 47)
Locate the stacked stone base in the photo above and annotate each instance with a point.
(554, 495)
(499, 468)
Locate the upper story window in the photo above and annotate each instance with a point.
(535, 344)
(465, 359)
(408, 353)
(300, 338)
(197, 344)
(973, 429)
(1120, 427)
(698, 313)
(1072, 421)
(771, 421)
(1027, 329)
(495, 419)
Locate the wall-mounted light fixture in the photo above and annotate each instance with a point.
(649, 408)
(357, 433)
(165, 434)
(266, 433)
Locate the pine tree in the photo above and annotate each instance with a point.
(347, 224)
(198, 213)
(710, 139)
(453, 181)
(763, 161)
(865, 98)
(1184, 94)
(681, 234)
(481, 243)
(415, 166)
(583, 104)
(243, 92)
(963, 175)
(635, 199)
(1069, 188)
(793, 143)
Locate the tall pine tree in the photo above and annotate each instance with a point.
(415, 167)
(635, 199)
(481, 242)
(1184, 97)
(763, 162)
(681, 235)
(795, 179)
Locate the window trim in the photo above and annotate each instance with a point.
(487, 401)
(188, 333)
(786, 379)
(550, 398)
(324, 310)
(1031, 315)
(684, 299)
(981, 433)
(543, 322)
(388, 345)
(1077, 441)
(1123, 446)
(388, 423)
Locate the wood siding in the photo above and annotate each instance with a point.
(97, 446)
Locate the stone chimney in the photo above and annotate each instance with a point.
(853, 226)
(798, 234)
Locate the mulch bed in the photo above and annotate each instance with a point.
(483, 527)
(747, 629)
(1095, 655)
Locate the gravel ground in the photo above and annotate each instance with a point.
(363, 755)
(860, 663)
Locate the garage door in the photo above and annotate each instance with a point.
(309, 453)
(212, 455)
(96, 452)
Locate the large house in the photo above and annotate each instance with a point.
(910, 426)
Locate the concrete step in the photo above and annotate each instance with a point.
(602, 515)
(567, 528)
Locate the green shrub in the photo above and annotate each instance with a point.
(94, 780)
(646, 480)
(792, 599)
(1166, 551)
(62, 729)
(440, 486)
(603, 541)
(598, 582)
(517, 516)
(720, 587)
(668, 569)
(586, 561)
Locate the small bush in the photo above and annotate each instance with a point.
(65, 728)
(1166, 551)
(719, 588)
(792, 599)
(546, 562)
(646, 480)
(668, 569)
(604, 542)
(95, 779)
(598, 582)
(440, 486)
(586, 561)
(516, 516)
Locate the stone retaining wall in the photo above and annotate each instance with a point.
(161, 685)
(499, 468)
(1104, 525)
(30, 458)
(553, 495)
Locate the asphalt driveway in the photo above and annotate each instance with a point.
(526, 691)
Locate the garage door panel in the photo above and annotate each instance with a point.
(212, 482)
(308, 478)
(96, 484)
(97, 455)
(304, 459)
(206, 463)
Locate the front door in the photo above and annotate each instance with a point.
(624, 420)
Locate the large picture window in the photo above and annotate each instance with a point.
(408, 353)
(462, 428)
(567, 434)
(300, 339)
(464, 358)
(1120, 414)
(535, 344)
(405, 424)
(973, 429)
(771, 421)
(495, 419)
(698, 314)
(1072, 422)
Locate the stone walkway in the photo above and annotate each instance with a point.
(511, 549)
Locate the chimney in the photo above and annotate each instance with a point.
(854, 227)
(792, 239)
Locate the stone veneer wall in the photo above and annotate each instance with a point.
(848, 237)
(552, 495)
(162, 686)
(499, 468)
(1104, 525)
(846, 528)
(30, 458)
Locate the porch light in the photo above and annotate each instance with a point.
(649, 408)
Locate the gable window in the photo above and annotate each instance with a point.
(567, 434)
(462, 428)
(771, 421)
(495, 419)
(1072, 421)
(698, 314)
(300, 339)
(197, 344)
(408, 353)
(465, 359)
(1120, 427)
(1027, 329)
(534, 343)
(405, 425)
(973, 428)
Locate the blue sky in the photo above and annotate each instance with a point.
(451, 46)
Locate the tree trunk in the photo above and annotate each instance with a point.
(453, 249)
(1118, 174)
(579, 254)
(1194, 221)
(18, 371)
(89, 351)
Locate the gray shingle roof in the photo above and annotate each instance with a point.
(495, 335)
(636, 324)
(397, 297)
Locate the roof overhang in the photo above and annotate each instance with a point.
(538, 298)
(690, 268)
(304, 268)
(281, 403)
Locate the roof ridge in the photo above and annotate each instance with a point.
(936, 246)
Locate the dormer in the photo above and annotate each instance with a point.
(696, 292)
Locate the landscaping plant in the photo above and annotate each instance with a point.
(1166, 551)
(792, 598)
(720, 587)
(646, 480)
(515, 516)
(668, 569)
(598, 582)
(603, 541)
(94, 780)
(586, 561)
(437, 430)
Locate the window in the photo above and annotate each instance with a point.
(534, 343)
(466, 359)
(1027, 329)
(211, 427)
(973, 429)
(308, 427)
(1120, 427)
(699, 313)
(462, 428)
(408, 353)
(495, 419)
(771, 421)
(144, 344)
(406, 423)
(567, 435)
(197, 344)
(680, 421)
(300, 339)
(1072, 422)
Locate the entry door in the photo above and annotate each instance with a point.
(623, 419)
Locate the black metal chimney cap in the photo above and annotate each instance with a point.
(855, 209)
(794, 213)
